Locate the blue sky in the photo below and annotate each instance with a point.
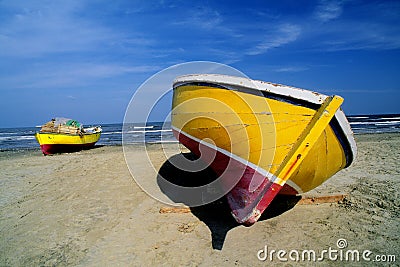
(85, 59)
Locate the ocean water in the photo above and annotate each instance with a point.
(157, 132)
(386, 123)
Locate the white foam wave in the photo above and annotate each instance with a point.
(17, 138)
(149, 131)
(358, 117)
(374, 122)
(393, 118)
(106, 133)
(143, 127)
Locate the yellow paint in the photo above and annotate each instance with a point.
(259, 130)
(66, 139)
(308, 138)
(236, 122)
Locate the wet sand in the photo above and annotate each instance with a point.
(85, 208)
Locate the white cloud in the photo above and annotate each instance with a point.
(358, 35)
(291, 69)
(71, 75)
(374, 26)
(328, 10)
(201, 17)
(207, 19)
(275, 38)
(49, 28)
(48, 44)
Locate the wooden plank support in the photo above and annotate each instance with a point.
(169, 209)
(308, 200)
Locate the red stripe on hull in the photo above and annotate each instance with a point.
(247, 203)
(63, 148)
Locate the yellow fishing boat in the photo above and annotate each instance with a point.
(65, 135)
(261, 138)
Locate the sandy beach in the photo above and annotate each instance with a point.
(85, 209)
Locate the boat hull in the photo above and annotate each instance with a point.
(257, 127)
(52, 143)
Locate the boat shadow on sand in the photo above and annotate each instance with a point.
(216, 215)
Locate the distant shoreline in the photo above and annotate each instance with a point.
(150, 122)
(160, 132)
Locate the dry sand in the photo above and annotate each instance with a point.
(85, 209)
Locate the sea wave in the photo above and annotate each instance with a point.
(150, 131)
(16, 138)
(374, 122)
(143, 127)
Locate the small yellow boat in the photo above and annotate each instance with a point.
(65, 135)
(262, 139)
